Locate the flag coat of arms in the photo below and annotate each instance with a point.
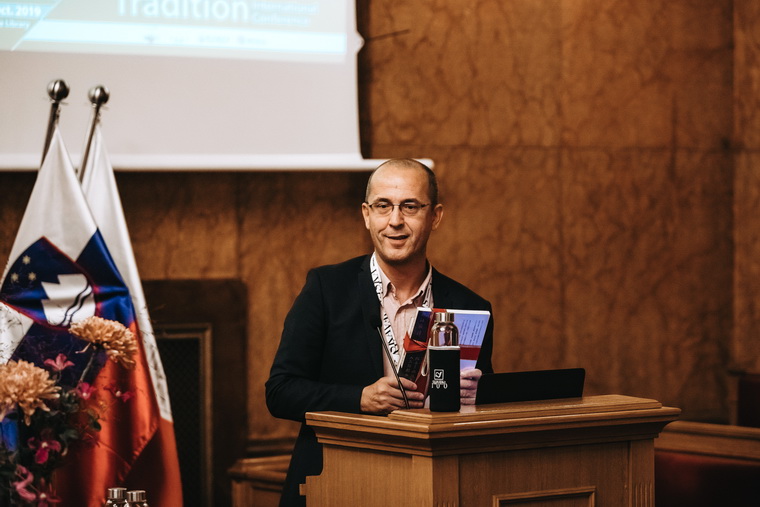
(72, 259)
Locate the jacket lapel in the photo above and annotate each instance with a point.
(441, 291)
(371, 312)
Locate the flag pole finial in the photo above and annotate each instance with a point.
(98, 96)
(57, 91)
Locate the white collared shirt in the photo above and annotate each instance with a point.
(401, 313)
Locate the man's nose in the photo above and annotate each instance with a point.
(397, 217)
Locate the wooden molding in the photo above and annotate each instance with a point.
(720, 440)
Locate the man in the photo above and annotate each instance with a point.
(330, 355)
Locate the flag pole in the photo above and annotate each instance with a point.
(98, 96)
(57, 91)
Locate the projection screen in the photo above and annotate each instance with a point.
(194, 84)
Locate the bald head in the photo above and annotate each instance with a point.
(411, 164)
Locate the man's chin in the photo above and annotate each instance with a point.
(396, 258)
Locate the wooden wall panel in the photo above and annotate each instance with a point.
(746, 311)
(446, 73)
(746, 76)
(290, 223)
(182, 225)
(746, 328)
(583, 153)
(503, 209)
(15, 189)
(638, 226)
(613, 250)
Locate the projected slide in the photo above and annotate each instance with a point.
(258, 29)
(194, 84)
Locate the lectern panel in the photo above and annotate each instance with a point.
(559, 476)
(580, 497)
(577, 453)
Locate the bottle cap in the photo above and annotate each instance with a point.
(116, 493)
(137, 495)
(443, 317)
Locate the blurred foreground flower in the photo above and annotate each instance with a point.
(118, 341)
(23, 484)
(43, 446)
(27, 387)
(44, 411)
(59, 364)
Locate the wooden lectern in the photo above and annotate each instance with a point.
(591, 451)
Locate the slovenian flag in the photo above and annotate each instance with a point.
(59, 272)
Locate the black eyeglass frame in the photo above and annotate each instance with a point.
(419, 207)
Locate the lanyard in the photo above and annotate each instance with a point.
(387, 330)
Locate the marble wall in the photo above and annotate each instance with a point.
(745, 351)
(585, 149)
(585, 154)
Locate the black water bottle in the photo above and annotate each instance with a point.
(443, 370)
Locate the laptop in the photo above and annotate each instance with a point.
(530, 385)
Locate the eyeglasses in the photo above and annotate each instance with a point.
(408, 208)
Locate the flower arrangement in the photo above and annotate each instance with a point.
(41, 415)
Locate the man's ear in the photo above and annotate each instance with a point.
(365, 214)
(437, 215)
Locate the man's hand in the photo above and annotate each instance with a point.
(468, 385)
(384, 396)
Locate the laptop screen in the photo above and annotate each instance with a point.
(530, 385)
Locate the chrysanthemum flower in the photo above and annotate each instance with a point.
(118, 341)
(25, 386)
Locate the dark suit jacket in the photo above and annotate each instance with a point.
(330, 350)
